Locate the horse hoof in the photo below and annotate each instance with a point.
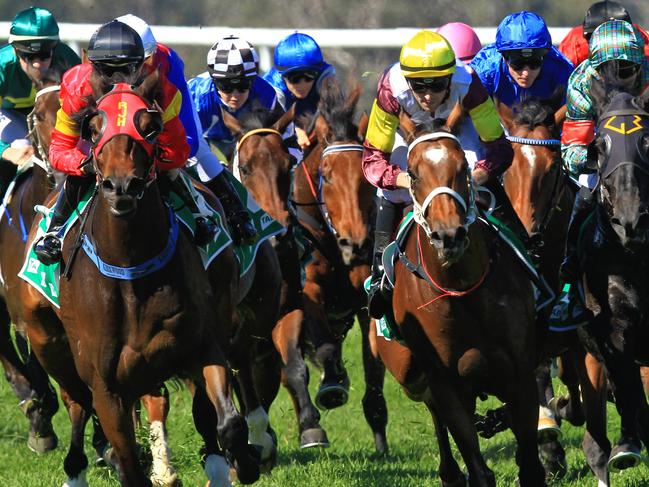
(331, 396)
(626, 454)
(553, 459)
(314, 437)
(548, 430)
(246, 464)
(380, 444)
(169, 479)
(463, 481)
(78, 481)
(42, 444)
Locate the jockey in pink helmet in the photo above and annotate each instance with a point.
(463, 39)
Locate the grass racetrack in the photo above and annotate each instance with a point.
(349, 462)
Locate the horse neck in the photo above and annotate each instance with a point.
(303, 192)
(42, 184)
(463, 274)
(130, 241)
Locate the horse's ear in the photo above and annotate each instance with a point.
(560, 115)
(362, 125)
(149, 87)
(454, 117)
(284, 120)
(232, 123)
(506, 114)
(84, 55)
(642, 100)
(322, 129)
(408, 127)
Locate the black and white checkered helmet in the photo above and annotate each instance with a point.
(232, 58)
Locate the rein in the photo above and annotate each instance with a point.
(526, 141)
(256, 132)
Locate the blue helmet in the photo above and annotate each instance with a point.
(298, 52)
(523, 30)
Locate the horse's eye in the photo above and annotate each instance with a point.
(244, 170)
(413, 176)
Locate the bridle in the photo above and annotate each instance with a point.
(32, 125)
(419, 210)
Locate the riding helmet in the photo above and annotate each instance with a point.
(116, 44)
(600, 12)
(523, 30)
(298, 52)
(427, 55)
(34, 30)
(232, 58)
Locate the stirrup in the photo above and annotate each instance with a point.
(243, 231)
(376, 303)
(48, 248)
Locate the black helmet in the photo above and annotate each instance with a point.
(117, 45)
(601, 12)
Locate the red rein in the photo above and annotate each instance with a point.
(444, 292)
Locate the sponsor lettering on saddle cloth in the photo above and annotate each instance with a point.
(386, 326)
(45, 279)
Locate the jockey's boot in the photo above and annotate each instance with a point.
(48, 247)
(205, 228)
(505, 212)
(386, 220)
(243, 231)
(569, 271)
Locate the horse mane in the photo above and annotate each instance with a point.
(256, 117)
(338, 108)
(534, 112)
(49, 77)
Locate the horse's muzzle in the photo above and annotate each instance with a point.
(450, 244)
(122, 194)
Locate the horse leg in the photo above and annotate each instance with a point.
(524, 416)
(552, 453)
(596, 445)
(116, 418)
(156, 404)
(570, 407)
(374, 405)
(295, 376)
(76, 462)
(333, 391)
(449, 471)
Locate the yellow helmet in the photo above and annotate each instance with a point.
(427, 55)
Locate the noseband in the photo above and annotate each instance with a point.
(419, 210)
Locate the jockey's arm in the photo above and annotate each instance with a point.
(66, 153)
(177, 77)
(578, 129)
(499, 152)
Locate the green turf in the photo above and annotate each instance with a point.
(349, 461)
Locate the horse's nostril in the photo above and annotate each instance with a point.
(460, 234)
(435, 235)
(108, 185)
(343, 242)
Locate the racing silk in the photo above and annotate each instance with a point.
(610, 41)
(306, 106)
(394, 95)
(171, 65)
(16, 89)
(494, 74)
(575, 47)
(208, 104)
(68, 151)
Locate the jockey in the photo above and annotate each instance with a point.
(522, 62)
(116, 54)
(298, 75)
(33, 49)
(614, 43)
(427, 83)
(463, 39)
(165, 59)
(231, 83)
(575, 45)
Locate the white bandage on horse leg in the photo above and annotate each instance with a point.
(257, 431)
(162, 473)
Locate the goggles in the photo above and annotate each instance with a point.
(230, 86)
(297, 76)
(436, 85)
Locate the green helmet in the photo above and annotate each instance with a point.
(34, 30)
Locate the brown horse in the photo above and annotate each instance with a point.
(28, 379)
(538, 187)
(265, 167)
(119, 338)
(465, 309)
(335, 204)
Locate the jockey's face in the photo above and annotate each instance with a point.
(430, 92)
(235, 98)
(299, 83)
(34, 65)
(524, 71)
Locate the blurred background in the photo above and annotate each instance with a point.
(361, 64)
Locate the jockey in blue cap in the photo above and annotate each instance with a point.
(522, 62)
(298, 74)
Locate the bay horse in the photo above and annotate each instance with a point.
(113, 340)
(538, 186)
(334, 202)
(265, 168)
(465, 310)
(29, 381)
(615, 242)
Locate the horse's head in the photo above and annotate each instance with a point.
(535, 179)
(123, 127)
(42, 119)
(621, 152)
(348, 197)
(263, 160)
(441, 188)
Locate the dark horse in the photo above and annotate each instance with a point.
(335, 204)
(616, 240)
(113, 340)
(465, 309)
(538, 186)
(28, 379)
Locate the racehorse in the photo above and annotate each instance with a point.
(614, 243)
(539, 189)
(28, 379)
(465, 309)
(113, 340)
(335, 204)
(264, 165)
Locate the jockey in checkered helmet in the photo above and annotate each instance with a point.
(233, 59)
